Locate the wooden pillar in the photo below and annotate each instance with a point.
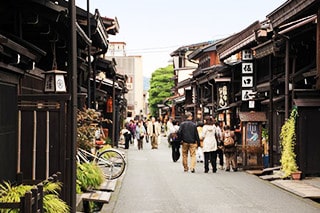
(173, 110)
(318, 50)
(271, 123)
(286, 93)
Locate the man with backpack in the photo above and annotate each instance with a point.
(229, 148)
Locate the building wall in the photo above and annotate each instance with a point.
(132, 67)
(117, 49)
(183, 69)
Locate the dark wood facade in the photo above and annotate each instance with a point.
(36, 128)
(286, 74)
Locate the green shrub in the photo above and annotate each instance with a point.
(287, 140)
(51, 201)
(89, 176)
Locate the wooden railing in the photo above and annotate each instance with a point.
(32, 201)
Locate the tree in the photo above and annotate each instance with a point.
(161, 84)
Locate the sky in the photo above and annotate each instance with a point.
(155, 28)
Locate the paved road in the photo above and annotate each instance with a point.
(153, 183)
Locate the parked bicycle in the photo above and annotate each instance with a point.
(111, 161)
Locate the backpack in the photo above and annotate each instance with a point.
(228, 142)
(174, 136)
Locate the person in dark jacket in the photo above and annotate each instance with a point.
(190, 141)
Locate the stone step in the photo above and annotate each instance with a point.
(298, 187)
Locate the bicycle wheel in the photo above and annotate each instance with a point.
(112, 163)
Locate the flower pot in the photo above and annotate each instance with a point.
(296, 175)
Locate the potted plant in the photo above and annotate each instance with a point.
(288, 140)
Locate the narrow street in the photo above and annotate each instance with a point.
(154, 183)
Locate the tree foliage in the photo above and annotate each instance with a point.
(161, 84)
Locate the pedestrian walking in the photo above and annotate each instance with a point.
(175, 141)
(145, 124)
(154, 130)
(132, 129)
(199, 152)
(210, 145)
(190, 140)
(169, 128)
(220, 145)
(229, 148)
(127, 137)
(140, 133)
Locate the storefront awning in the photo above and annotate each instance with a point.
(275, 100)
(189, 106)
(263, 87)
(239, 41)
(253, 116)
(307, 102)
(288, 10)
(264, 49)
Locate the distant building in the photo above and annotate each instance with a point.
(117, 49)
(131, 66)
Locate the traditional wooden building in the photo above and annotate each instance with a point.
(36, 136)
(184, 97)
(268, 68)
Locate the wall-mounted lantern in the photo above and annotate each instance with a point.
(54, 81)
(109, 105)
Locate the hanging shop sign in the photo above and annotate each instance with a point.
(247, 81)
(222, 96)
(247, 68)
(247, 55)
(247, 75)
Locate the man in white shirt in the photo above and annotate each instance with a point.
(154, 130)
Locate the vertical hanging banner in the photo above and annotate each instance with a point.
(247, 75)
(247, 68)
(247, 55)
(247, 81)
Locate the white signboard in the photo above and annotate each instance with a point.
(246, 94)
(247, 68)
(246, 55)
(247, 81)
(251, 104)
(60, 84)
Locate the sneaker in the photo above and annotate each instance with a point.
(235, 169)
(206, 171)
(220, 167)
(227, 170)
(193, 171)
